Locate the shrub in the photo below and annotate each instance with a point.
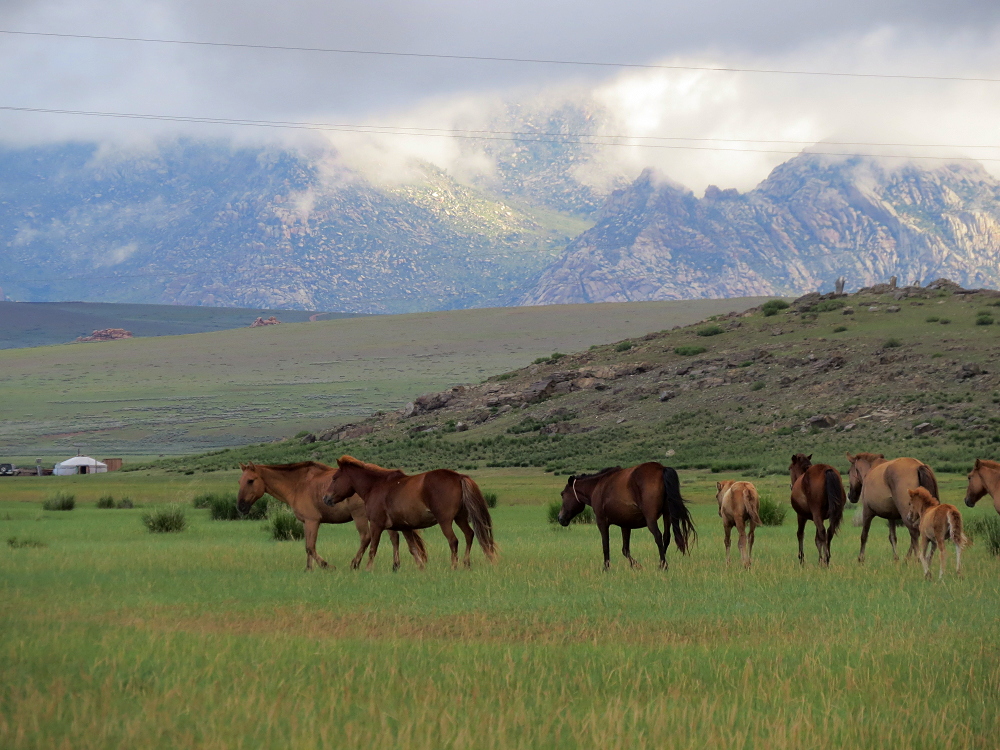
(827, 305)
(165, 520)
(203, 500)
(773, 307)
(587, 516)
(689, 351)
(623, 346)
(757, 385)
(15, 543)
(60, 501)
(125, 503)
(222, 507)
(284, 526)
(772, 513)
(987, 529)
(892, 343)
(984, 319)
(839, 329)
(944, 321)
(713, 330)
(933, 318)
(106, 501)
(556, 356)
(491, 499)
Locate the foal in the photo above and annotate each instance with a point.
(738, 503)
(937, 522)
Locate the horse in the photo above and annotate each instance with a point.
(882, 486)
(817, 494)
(300, 486)
(936, 522)
(739, 503)
(631, 499)
(984, 478)
(396, 501)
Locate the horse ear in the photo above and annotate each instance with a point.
(242, 466)
(913, 493)
(718, 485)
(881, 455)
(809, 457)
(979, 462)
(851, 458)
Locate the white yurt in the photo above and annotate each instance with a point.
(79, 465)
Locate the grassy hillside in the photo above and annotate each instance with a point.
(911, 376)
(26, 324)
(179, 394)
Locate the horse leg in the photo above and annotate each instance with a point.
(605, 543)
(867, 516)
(728, 526)
(463, 524)
(376, 532)
(361, 524)
(821, 542)
(449, 534)
(753, 529)
(742, 544)
(914, 540)
(892, 539)
(411, 541)
(312, 531)
(926, 553)
(394, 539)
(941, 556)
(627, 548)
(654, 529)
(801, 534)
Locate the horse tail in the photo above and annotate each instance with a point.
(676, 510)
(835, 500)
(752, 501)
(927, 480)
(955, 529)
(415, 541)
(479, 516)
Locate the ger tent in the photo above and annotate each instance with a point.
(79, 465)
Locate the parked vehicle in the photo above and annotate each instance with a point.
(7, 470)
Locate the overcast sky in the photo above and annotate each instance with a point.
(957, 38)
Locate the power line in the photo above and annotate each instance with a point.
(485, 58)
(509, 136)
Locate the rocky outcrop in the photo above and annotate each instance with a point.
(814, 219)
(107, 334)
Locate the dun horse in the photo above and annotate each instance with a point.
(398, 502)
(936, 522)
(632, 499)
(301, 487)
(882, 487)
(817, 495)
(739, 503)
(984, 478)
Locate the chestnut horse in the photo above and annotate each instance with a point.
(301, 486)
(739, 503)
(984, 478)
(937, 523)
(882, 486)
(817, 495)
(396, 501)
(632, 498)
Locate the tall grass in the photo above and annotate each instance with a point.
(165, 520)
(222, 506)
(772, 513)
(106, 501)
(60, 501)
(585, 516)
(284, 526)
(986, 529)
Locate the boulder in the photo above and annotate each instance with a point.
(821, 422)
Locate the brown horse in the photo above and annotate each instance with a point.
(882, 486)
(739, 503)
(984, 478)
(936, 523)
(631, 499)
(301, 486)
(396, 501)
(817, 495)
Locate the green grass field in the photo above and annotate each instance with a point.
(215, 637)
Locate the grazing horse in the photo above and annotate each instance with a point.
(739, 503)
(817, 495)
(301, 486)
(882, 486)
(984, 478)
(398, 502)
(936, 522)
(632, 498)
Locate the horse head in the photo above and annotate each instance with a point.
(572, 505)
(251, 488)
(920, 500)
(340, 488)
(861, 464)
(977, 486)
(800, 463)
(721, 489)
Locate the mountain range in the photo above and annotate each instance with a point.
(218, 224)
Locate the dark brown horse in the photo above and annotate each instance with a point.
(817, 495)
(632, 498)
(301, 486)
(396, 501)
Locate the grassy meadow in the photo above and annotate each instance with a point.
(215, 637)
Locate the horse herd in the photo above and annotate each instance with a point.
(903, 491)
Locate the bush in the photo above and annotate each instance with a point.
(933, 318)
(106, 501)
(165, 520)
(623, 346)
(15, 543)
(757, 385)
(892, 343)
(986, 529)
(773, 307)
(125, 503)
(689, 351)
(713, 330)
(839, 329)
(587, 516)
(60, 501)
(222, 507)
(772, 513)
(827, 305)
(284, 526)
(491, 499)
(203, 500)
(944, 321)
(984, 319)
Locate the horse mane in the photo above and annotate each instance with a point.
(870, 457)
(597, 474)
(294, 467)
(373, 468)
(995, 465)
